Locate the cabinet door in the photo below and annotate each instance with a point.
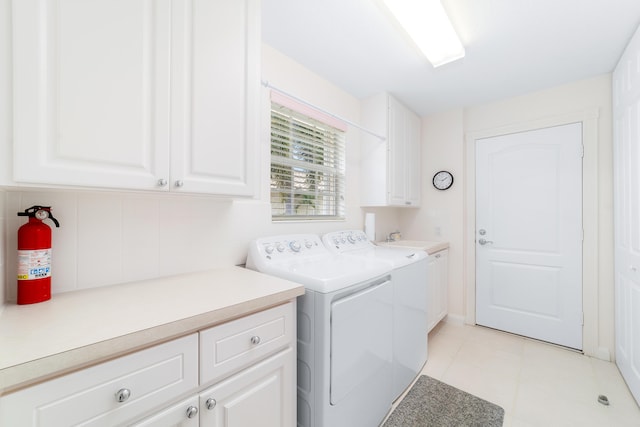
(216, 84)
(182, 414)
(442, 261)
(91, 101)
(437, 285)
(397, 153)
(404, 155)
(413, 161)
(262, 395)
(432, 292)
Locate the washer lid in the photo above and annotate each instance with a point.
(328, 273)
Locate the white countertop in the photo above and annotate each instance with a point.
(77, 329)
(431, 247)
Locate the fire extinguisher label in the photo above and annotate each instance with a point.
(34, 264)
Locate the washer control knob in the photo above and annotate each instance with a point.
(308, 244)
(268, 249)
(343, 240)
(280, 247)
(295, 246)
(351, 239)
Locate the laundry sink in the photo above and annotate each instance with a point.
(430, 247)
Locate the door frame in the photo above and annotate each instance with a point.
(590, 270)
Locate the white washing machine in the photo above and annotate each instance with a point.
(344, 329)
(410, 300)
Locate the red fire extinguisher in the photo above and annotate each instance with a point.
(34, 256)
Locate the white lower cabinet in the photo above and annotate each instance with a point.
(258, 396)
(437, 286)
(249, 380)
(108, 394)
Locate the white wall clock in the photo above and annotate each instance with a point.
(442, 180)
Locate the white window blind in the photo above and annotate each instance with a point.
(307, 167)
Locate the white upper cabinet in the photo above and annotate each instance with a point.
(391, 168)
(137, 94)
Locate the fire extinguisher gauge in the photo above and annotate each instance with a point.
(42, 214)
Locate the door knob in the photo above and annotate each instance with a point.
(484, 241)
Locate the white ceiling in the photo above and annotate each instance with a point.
(512, 47)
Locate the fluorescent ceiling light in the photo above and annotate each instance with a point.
(428, 25)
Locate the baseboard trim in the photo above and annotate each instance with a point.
(455, 319)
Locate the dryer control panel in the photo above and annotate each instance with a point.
(347, 240)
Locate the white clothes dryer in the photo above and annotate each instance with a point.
(344, 329)
(410, 300)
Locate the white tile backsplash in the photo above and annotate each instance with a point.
(99, 240)
(107, 238)
(140, 237)
(188, 233)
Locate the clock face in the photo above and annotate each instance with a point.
(442, 180)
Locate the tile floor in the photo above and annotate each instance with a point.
(537, 384)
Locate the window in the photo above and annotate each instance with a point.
(307, 166)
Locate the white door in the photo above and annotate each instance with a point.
(529, 234)
(626, 109)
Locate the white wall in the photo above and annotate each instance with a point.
(444, 147)
(116, 237)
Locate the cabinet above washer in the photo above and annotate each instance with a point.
(390, 169)
(160, 96)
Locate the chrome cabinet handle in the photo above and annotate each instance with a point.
(255, 339)
(178, 183)
(162, 182)
(211, 403)
(484, 241)
(192, 411)
(123, 395)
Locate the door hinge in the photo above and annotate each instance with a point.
(582, 319)
(582, 151)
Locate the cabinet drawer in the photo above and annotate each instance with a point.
(232, 346)
(182, 414)
(90, 397)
